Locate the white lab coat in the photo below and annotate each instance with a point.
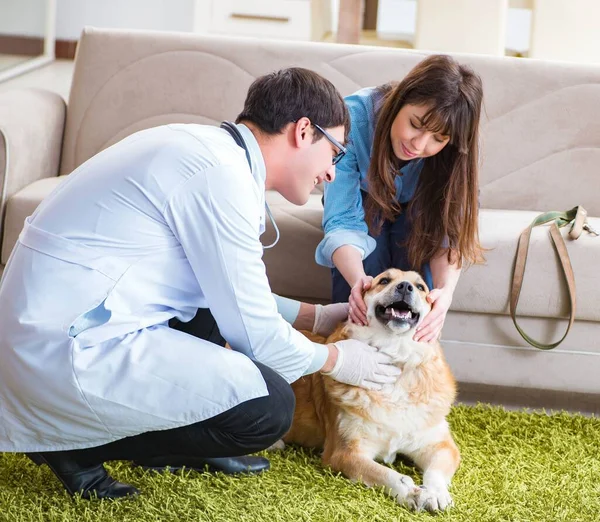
(154, 227)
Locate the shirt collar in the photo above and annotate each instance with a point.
(259, 170)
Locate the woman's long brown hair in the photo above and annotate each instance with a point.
(445, 204)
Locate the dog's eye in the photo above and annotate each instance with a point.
(421, 287)
(384, 281)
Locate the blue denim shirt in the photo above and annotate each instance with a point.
(344, 217)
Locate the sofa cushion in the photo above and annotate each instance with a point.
(484, 288)
(293, 218)
(31, 131)
(291, 263)
(128, 80)
(22, 205)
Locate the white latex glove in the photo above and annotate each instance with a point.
(360, 364)
(328, 317)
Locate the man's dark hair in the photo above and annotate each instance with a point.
(276, 99)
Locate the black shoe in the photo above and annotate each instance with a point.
(227, 465)
(93, 482)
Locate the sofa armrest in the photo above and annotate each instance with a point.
(31, 131)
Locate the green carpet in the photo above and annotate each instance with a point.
(516, 467)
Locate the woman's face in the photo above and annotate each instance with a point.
(410, 139)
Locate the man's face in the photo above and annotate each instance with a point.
(312, 165)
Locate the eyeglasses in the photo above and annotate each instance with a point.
(342, 150)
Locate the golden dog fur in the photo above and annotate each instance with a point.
(355, 426)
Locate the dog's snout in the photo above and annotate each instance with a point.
(405, 287)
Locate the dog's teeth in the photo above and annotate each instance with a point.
(399, 314)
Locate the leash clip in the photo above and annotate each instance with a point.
(587, 227)
(579, 223)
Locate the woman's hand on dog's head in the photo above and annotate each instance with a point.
(431, 327)
(357, 311)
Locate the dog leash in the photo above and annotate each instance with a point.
(577, 216)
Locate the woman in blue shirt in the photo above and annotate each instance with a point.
(406, 192)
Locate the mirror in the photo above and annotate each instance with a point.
(27, 35)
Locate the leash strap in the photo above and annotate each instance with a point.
(578, 216)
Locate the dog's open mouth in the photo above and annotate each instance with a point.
(399, 312)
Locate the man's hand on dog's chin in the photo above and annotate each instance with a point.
(431, 327)
(353, 362)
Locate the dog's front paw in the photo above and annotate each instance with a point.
(404, 491)
(431, 500)
(278, 446)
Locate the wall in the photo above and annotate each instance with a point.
(22, 17)
(397, 20)
(27, 17)
(165, 15)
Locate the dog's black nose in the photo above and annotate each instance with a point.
(405, 286)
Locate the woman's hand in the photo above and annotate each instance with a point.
(431, 327)
(357, 312)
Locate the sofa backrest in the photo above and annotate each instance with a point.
(540, 128)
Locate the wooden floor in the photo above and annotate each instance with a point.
(10, 60)
(55, 76)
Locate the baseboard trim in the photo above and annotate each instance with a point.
(562, 372)
(34, 46)
(529, 399)
(65, 49)
(21, 45)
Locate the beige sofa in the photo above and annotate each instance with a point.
(541, 138)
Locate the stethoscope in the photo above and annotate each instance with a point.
(239, 139)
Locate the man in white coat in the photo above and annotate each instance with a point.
(126, 281)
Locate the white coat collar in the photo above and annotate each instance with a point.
(259, 170)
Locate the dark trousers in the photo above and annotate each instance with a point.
(389, 253)
(246, 428)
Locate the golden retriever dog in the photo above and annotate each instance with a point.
(356, 427)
